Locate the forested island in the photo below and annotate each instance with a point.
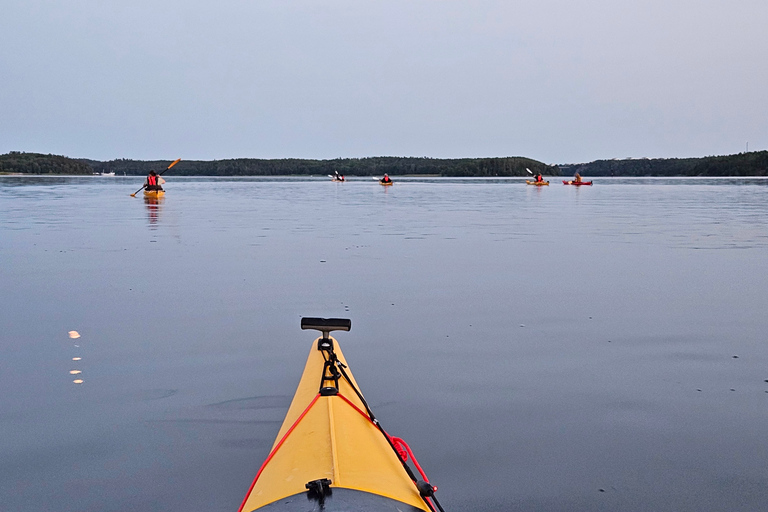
(743, 164)
(372, 166)
(35, 163)
(32, 163)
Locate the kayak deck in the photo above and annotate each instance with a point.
(329, 448)
(154, 193)
(577, 183)
(537, 183)
(340, 500)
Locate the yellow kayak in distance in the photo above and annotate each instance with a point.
(331, 453)
(386, 183)
(537, 183)
(154, 194)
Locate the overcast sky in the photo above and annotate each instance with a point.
(559, 81)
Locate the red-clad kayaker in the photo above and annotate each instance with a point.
(154, 181)
(539, 178)
(385, 179)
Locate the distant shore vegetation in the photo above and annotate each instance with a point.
(33, 163)
(754, 163)
(743, 164)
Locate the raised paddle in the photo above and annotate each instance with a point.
(172, 164)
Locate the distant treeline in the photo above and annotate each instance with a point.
(32, 163)
(743, 164)
(373, 166)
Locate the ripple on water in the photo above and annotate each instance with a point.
(254, 402)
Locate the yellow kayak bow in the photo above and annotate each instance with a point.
(331, 450)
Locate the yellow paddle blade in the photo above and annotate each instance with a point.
(174, 163)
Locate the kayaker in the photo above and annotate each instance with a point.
(577, 178)
(539, 178)
(154, 181)
(385, 179)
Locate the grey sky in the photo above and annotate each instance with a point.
(556, 80)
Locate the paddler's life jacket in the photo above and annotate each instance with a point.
(153, 182)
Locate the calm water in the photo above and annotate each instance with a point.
(601, 348)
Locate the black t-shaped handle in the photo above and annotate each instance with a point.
(326, 325)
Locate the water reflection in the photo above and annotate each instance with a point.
(153, 209)
(75, 335)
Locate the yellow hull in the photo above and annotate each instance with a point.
(537, 183)
(385, 183)
(328, 435)
(154, 194)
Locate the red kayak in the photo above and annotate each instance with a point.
(577, 182)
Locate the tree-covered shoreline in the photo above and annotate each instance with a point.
(16, 162)
(743, 164)
(372, 166)
(32, 163)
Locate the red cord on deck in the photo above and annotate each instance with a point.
(402, 448)
(277, 447)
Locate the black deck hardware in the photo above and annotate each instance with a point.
(318, 490)
(425, 489)
(329, 391)
(326, 325)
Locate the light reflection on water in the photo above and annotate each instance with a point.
(533, 345)
(154, 206)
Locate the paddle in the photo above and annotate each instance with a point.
(172, 164)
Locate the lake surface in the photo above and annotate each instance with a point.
(600, 348)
